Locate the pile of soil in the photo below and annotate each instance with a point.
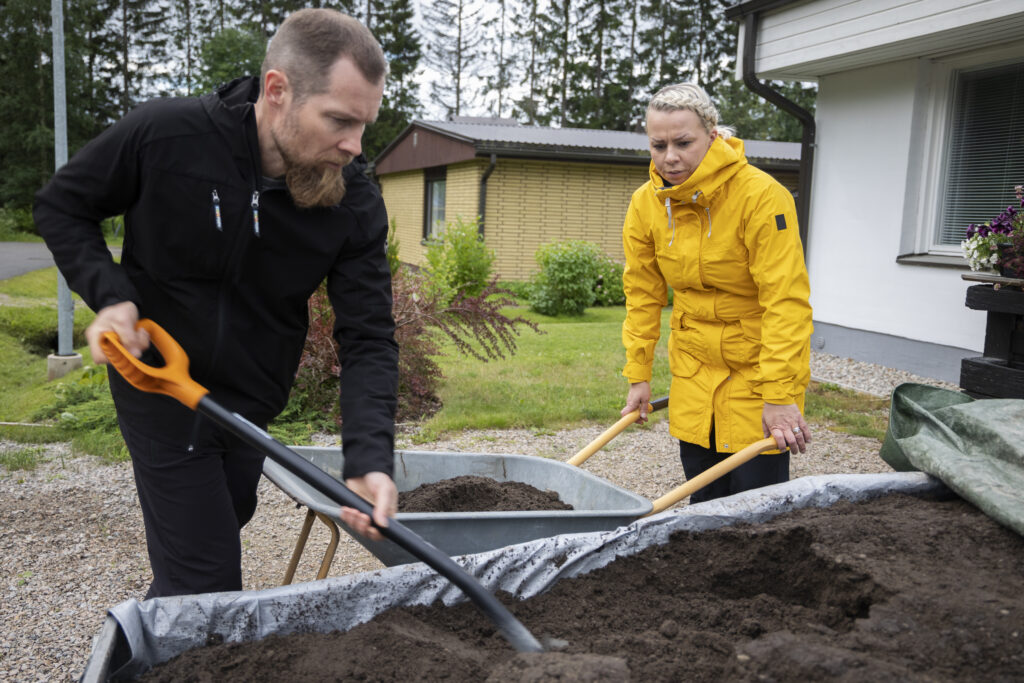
(895, 589)
(478, 494)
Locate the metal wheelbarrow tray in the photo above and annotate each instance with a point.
(598, 505)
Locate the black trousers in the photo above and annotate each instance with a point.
(197, 488)
(763, 470)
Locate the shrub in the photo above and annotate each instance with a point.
(459, 261)
(474, 324)
(608, 286)
(565, 283)
(35, 328)
(392, 248)
(16, 224)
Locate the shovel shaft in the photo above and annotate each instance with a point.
(513, 630)
(712, 473)
(613, 431)
(174, 380)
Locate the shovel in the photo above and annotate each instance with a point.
(173, 380)
(691, 486)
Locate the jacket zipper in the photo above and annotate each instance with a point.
(671, 221)
(216, 211)
(256, 212)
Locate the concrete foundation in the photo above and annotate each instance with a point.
(58, 366)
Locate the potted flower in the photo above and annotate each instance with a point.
(998, 245)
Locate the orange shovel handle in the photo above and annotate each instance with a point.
(172, 379)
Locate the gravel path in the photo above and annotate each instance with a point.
(72, 542)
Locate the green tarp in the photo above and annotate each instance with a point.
(976, 447)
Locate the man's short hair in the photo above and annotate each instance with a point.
(310, 41)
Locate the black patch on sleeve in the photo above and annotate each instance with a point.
(780, 222)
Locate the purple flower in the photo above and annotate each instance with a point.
(972, 230)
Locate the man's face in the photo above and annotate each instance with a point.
(321, 134)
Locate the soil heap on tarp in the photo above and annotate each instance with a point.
(895, 589)
(468, 493)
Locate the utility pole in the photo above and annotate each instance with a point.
(65, 360)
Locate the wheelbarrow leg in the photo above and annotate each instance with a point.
(300, 545)
(332, 547)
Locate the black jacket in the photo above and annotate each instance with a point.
(186, 175)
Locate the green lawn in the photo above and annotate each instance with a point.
(566, 376)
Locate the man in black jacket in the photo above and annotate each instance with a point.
(237, 205)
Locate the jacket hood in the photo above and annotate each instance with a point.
(724, 159)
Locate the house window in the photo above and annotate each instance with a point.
(985, 149)
(433, 207)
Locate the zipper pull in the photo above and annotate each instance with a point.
(256, 212)
(216, 211)
(671, 221)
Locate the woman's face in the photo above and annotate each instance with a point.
(678, 143)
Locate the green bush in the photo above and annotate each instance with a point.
(17, 225)
(36, 328)
(608, 286)
(459, 261)
(520, 289)
(565, 283)
(392, 247)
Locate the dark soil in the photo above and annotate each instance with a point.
(478, 494)
(896, 589)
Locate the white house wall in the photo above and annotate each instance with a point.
(804, 40)
(860, 176)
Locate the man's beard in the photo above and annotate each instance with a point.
(312, 186)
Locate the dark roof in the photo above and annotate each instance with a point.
(507, 132)
(506, 137)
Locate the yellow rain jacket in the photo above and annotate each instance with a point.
(726, 241)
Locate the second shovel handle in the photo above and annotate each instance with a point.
(613, 431)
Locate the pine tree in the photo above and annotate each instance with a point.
(600, 38)
(391, 22)
(528, 35)
(499, 53)
(453, 51)
(557, 59)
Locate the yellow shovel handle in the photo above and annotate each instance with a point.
(712, 473)
(613, 431)
(172, 379)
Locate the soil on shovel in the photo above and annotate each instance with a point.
(895, 589)
(470, 493)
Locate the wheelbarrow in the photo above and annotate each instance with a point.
(598, 505)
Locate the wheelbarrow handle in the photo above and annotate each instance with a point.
(712, 473)
(173, 380)
(613, 431)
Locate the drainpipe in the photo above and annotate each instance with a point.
(806, 118)
(482, 206)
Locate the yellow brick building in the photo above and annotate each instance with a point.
(530, 185)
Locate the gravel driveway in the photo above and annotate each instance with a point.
(72, 542)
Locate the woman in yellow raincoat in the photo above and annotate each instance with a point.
(723, 235)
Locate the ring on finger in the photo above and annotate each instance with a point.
(796, 430)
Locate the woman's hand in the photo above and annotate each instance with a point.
(639, 397)
(786, 425)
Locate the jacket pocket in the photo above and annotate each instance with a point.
(681, 363)
(184, 225)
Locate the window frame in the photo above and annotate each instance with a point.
(431, 177)
(930, 148)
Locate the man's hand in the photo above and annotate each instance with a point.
(120, 318)
(379, 489)
(639, 397)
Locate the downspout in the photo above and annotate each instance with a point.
(806, 118)
(482, 206)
